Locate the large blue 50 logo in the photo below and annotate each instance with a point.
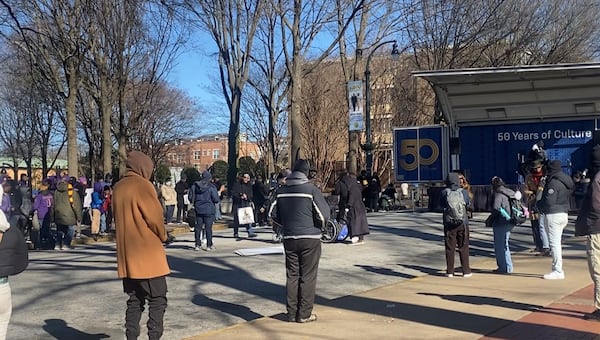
(418, 152)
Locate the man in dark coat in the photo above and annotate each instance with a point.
(259, 197)
(181, 188)
(588, 224)
(358, 226)
(241, 195)
(302, 211)
(203, 195)
(341, 189)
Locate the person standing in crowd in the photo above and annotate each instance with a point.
(97, 206)
(341, 190)
(141, 258)
(4, 198)
(181, 188)
(42, 205)
(501, 225)
(220, 188)
(534, 186)
(66, 213)
(455, 200)
(203, 195)
(302, 211)
(107, 210)
(80, 186)
(581, 183)
(588, 224)
(356, 216)
(555, 206)
(13, 260)
(169, 195)
(241, 195)
(259, 197)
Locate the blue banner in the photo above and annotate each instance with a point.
(419, 154)
(496, 150)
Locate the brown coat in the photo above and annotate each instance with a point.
(139, 222)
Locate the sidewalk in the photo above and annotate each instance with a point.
(485, 306)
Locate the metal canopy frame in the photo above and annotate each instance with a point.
(516, 93)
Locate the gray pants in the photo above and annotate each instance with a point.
(593, 256)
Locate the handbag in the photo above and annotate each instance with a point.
(245, 215)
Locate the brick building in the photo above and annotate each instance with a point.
(203, 151)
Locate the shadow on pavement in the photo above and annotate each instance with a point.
(240, 311)
(59, 329)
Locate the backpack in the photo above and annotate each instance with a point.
(455, 208)
(518, 214)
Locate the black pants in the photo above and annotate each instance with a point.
(301, 265)
(155, 291)
(457, 240)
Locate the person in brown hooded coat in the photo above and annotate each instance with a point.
(141, 258)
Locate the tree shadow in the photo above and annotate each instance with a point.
(384, 271)
(59, 329)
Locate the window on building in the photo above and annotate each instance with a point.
(215, 154)
(180, 158)
(204, 152)
(197, 154)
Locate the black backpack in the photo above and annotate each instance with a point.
(518, 214)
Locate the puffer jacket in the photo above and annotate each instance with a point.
(203, 194)
(588, 220)
(300, 208)
(14, 255)
(556, 194)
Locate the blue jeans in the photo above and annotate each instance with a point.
(64, 235)
(555, 223)
(103, 222)
(204, 222)
(169, 209)
(501, 248)
(540, 238)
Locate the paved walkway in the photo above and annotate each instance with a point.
(485, 306)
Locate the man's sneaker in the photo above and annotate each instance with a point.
(204, 247)
(449, 275)
(197, 248)
(354, 239)
(192, 229)
(236, 236)
(554, 276)
(468, 275)
(593, 316)
(56, 248)
(252, 235)
(211, 248)
(311, 318)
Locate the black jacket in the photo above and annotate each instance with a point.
(14, 255)
(238, 189)
(453, 183)
(300, 208)
(588, 221)
(556, 194)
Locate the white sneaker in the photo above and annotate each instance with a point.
(197, 248)
(354, 239)
(449, 275)
(468, 275)
(554, 276)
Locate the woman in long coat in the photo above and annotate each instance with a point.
(358, 226)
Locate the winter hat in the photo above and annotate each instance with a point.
(554, 166)
(302, 165)
(206, 176)
(596, 156)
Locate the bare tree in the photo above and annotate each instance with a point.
(232, 25)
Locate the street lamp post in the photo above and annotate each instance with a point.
(368, 146)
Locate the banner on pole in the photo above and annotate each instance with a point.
(355, 111)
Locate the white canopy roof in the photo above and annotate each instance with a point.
(501, 94)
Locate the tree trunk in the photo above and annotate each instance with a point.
(234, 139)
(70, 108)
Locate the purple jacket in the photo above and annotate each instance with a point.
(43, 202)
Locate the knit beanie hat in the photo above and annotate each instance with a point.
(302, 165)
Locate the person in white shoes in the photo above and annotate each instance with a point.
(554, 205)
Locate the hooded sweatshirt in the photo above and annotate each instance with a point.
(139, 222)
(203, 194)
(453, 183)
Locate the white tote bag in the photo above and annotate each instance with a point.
(245, 215)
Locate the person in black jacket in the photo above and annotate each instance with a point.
(13, 260)
(241, 195)
(181, 188)
(554, 205)
(588, 224)
(302, 211)
(203, 195)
